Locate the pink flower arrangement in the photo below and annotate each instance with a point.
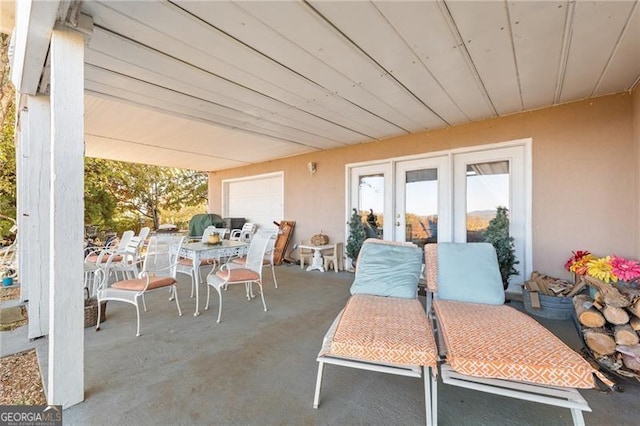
(608, 268)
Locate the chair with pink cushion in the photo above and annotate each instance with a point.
(158, 273)
(248, 273)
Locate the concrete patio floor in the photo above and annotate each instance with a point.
(259, 368)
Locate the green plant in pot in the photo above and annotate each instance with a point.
(356, 236)
(497, 233)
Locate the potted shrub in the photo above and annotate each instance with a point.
(497, 233)
(356, 236)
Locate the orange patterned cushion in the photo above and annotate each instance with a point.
(139, 283)
(501, 342)
(385, 330)
(431, 266)
(238, 275)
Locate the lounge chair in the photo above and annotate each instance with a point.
(384, 327)
(494, 348)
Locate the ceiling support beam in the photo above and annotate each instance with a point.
(34, 23)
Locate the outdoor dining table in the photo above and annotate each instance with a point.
(316, 262)
(223, 250)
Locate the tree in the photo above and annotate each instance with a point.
(7, 145)
(497, 233)
(140, 190)
(356, 236)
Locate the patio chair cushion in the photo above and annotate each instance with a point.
(138, 284)
(469, 273)
(94, 258)
(502, 343)
(238, 275)
(385, 330)
(378, 273)
(243, 261)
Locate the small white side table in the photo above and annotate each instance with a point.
(316, 262)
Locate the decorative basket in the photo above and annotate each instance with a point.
(91, 310)
(319, 239)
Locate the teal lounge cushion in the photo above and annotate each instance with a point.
(388, 269)
(469, 272)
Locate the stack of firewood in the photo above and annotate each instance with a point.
(550, 286)
(610, 323)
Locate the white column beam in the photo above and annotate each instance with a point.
(66, 325)
(34, 21)
(34, 170)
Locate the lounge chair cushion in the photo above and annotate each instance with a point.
(378, 272)
(500, 342)
(384, 330)
(469, 273)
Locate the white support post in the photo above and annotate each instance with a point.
(34, 170)
(66, 325)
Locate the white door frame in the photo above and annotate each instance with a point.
(442, 164)
(389, 166)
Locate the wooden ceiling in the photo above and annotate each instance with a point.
(211, 85)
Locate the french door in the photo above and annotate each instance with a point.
(447, 196)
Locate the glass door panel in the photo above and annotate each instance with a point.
(371, 195)
(487, 189)
(371, 204)
(485, 180)
(422, 201)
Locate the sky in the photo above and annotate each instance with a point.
(485, 192)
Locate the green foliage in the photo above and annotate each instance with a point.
(7, 172)
(356, 235)
(138, 192)
(497, 233)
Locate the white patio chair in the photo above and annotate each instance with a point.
(131, 261)
(158, 272)
(247, 274)
(268, 259)
(334, 258)
(223, 232)
(245, 234)
(305, 254)
(111, 254)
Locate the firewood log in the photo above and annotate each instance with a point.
(625, 335)
(617, 316)
(634, 308)
(599, 341)
(635, 323)
(589, 317)
(631, 363)
(630, 356)
(598, 301)
(630, 293)
(610, 294)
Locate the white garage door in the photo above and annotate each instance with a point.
(259, 199)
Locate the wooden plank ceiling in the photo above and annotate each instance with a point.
(211, 85)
